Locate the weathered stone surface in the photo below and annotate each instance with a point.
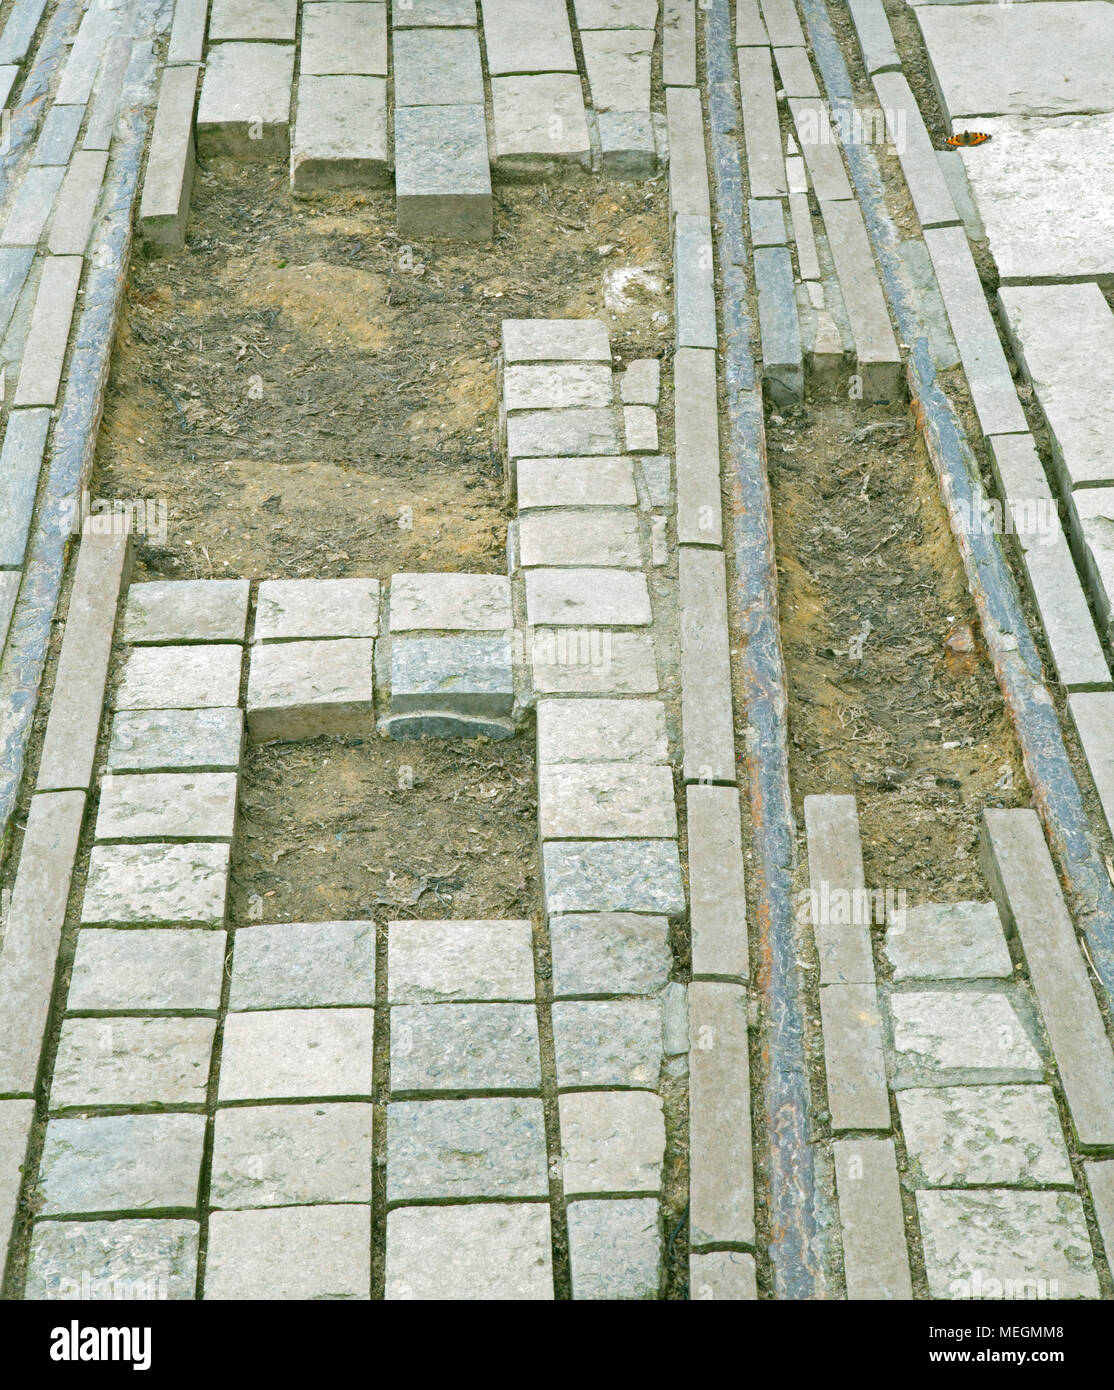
(640, 429)
(168, 806)
(19, 30)
(614, 1249)
(1100, 1179)
(77, 203)
(762, 130)
(438, 14)
(927, 186)
(949, 941)
(293, 1053)
(1025, 885)
(854, 1058)
(628, 149)
(314, 1252)
(187, 610)
(104, 109)
(587, 597)
(175, 885)
(193, 677)
(24, 226)
(767, 223)
(782, 24)
(722, 1276)
(593, 661)
(795, 72)
(590, 731)
(343, 39)
(607, 801)
(493, 1147)
(440, 724)
(528, 386)
(437, 67)
(1093, 521)
(707, 722)
(139, 1259)
(641, 382)
(464, 1047)
(168, 182)
(573, 537)
(297, 608)
(577, 431)
(9, 589)
(58, 134)
(993, 1245)
(16, 1119)
(132, 1061)
(808, 263)
(937, 1034)
(1054, 584)
(616, 14)
(875, 1257)
(678, 37)
(456, 602)
(617, 62)
(494, 1251)
(568, 482)
(444, 962)
(141, 969)
(187, 33)
(121, 1163)
(286, 1155)
(538, 122)
(527, 36)
(44, 348)
(1093, 717)
(611, 1142)
(340, 135)
(607, 1042)
(20, 466)
(442, 179)
(461, 675)
(721, 1182)
(717, 885)
(244, 107)
(841, 912)
(615, 876)
(960, 1136)
(166, 740)
(877, 357)
(1018, 470)
(782, 353)
(696, 411)
(875, 39)
(555, 340)
(609, 953)
(303, 965)
(273, 20)
(303, 689)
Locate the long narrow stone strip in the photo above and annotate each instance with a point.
(19, 31)
(44, 351)
(688, 161)
(168, 181)
(878, 360)
(1093, 717)
(837, 882)
(699, 512)
(821, 149)
(721, 1181)
(706, 713)
(875, 39)
(20, 466)
(875, 1257)
(678, 58)
(717, 886)
(16, 1119)
(765, 164)
(77, 203)
(851, 1022)
(187, 32)
(927, 186)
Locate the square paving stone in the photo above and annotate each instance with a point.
(722, 1276)
(1014, 1245)
(590, 731)
(608, 801)
(175, 885)
(304, 689)
(121, 1163)
(287, 1253)
(608, 1043)
(592, 661)
(344, 38)
(288, 1155)
(340, 135)
(164, 740)
(303, 965)
(614, 1249)
(253, 19)
(538, 119)
(555, 340)
(113, 1260)
(609, 953)
(132, 1061)
(244, 108)
(292, 608)
(493, 1251)
(557, 385)
(618, 66)
(442, 175)
(642, 382)
(611, 1141)
(527, 36)
(450, 602)
(938, 1034)
(578, 431)
(450, 962)
(464, 1047)
(460, 675)
(167, 806)
(640, 429)
(570, 482)
(627, 146)
(163, 968)
(290, 1054)
(621, 876)
(959, 1136)
(568, 537)
(437, 67)
(949, 941)
(616, 14)
(587, 598)
(195, 677)
(187, 610)
(466, 1148)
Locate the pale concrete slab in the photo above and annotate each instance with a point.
(613, 876)
(593, 661)
(607, 1043)
(872, 1224)
(109, 1163)
(171, 740)
(555, 340)
(437, 67)
(460, 1048)
(579, 538)
(618, 65)
(609, 953)
(937, 1034)
(559, 385)
(614, 1250)
(460, 1149)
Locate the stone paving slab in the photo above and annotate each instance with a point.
(175, 885)
(779, 324)
(121, 1163)
(32, 208)
(607, 801)
(1053, 581)
(607, 1042)
(555, 340)
(527, 36)
(578, 431)
(77, 203)
(761, 130)
(949, 941)
(16, 1119)
(593, 661)
(168, 806)
(464, 1047)
(587, 598)
(105, 107)
(527, 386)
(854, 1057)
(417, 14)
(961, 1136)
(470, 676)
(678, 36)
(457, 602)
(616, 14)
(591, 731)
(81, 65)
(722, 1275)
(938, 1033)
(641, 382)
(640, 429)
(9, 590)
(571, 482)
(820, 147)
(613, 876)
(614, 1249)
(717, 886)
(303, 965)
(1092, 520)
(628, 144)
(138, 1258)
(340, 135)
(837, 883)
(699, 517)
(875, 1258)
(454, 961)
(1100, 1179)
(244, 107)
(617, 62)
(767, 221)
(876, 42)
(928, 188)
(20, 465)
(44, 349)
(694, 282)
(611, 1142)
(782, 24)
(493, 1251)
(274, 20)
(290, 1253)
(304, 608)
(459, 1149)
(187, 32)
(579, 538)
(289, 1054)
(442, 178)
(878, 359)
(172, 740)
(19, 30)
(58, 135)
(195, 677)
(291, 1155)
(1017, 466)
(137, 968)
(437, 67)
(304, 689)
(1093, 718)
(707, 721)
(341, 39)
(1006, 1244)
(688, 162)
(721, 1179)
(538, 122)
(132, 1061)
(609, 953)
(187, 610)
(795, 72)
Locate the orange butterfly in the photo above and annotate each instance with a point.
(967, 137)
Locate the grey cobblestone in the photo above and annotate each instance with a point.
(611, 1142)
(464, 1047)
(199, 677)
(615, 876)
(569, 482)
(187, 610)
(442, 178)
(614, 1249)
(539, 124)
(132, 1061)
(460, 675)
(161, 968)
(303, 965)
(175, 885)
(340, 134)
(949, 941)
(571, 731)
(593, 661)
(938, 1033)
(290, 1054)
(609, 953)
(313, 1252)
(244, 107)
(591, 537)
(168, 806)
(607, 1043)
(289, 1155)
(587, 598)
(344, 39)
(142, 1258)
(455, 961)
(607, 801)
(493, 1251)
(455, 602)
(555, 340)
(121, 1163)
(722, 1276)
(316, 608)
(466, 1148)
(169, 740)
(527, 36)
(303, 689)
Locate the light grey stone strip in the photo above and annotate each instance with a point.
(16, 1119)
(696, 424)
(31, 209)
(1100, 1179)
(1091, 530)
(164, 205)
(750, 32)
(878, 360)
(875, 39)
(875, 1257)
(58, 135)
(927, 186)
(688, 163)
(694, 282)
(837, 883)
(782, 24)
(77, 203)
(273, 22)
(44, 350)
(1023, 879)
(707, 721)
(187, 32)
(19, 31)
(80, 71)
(854, 1057)
(9, 591)
(795, 72)
(808, 262)
(765, 163)
(104, 112)
(1069, 626)
(540, 129)
(678, 57)
(721, 1179)
(779, 324)
(527, 36)
(821, 149)
(340, 136)
(20, 467)
(722, 1276)
(717, 884)
(1093, 717)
